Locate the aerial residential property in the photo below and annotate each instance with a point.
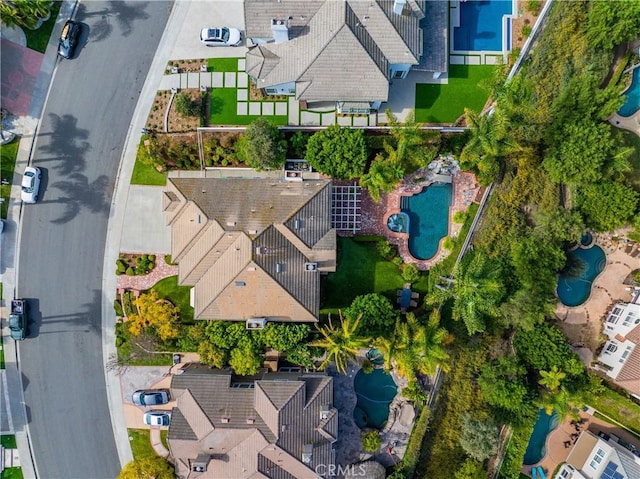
(320, 239)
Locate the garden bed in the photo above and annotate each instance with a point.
(176, 122)
(135, 264)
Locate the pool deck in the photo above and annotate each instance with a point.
(375, 215)
(557, 453)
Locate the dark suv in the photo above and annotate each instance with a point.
(68, 39)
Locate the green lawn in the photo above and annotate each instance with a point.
(631, 139)
(618, 407)
(445, 103)
(12, 473)
(8, 441)
(179, 295)
(223, 64)
(140, 443)
(361, 270)
(39, 39)
(147, 175)
(223, 110)
(8, 154)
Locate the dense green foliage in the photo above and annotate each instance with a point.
(263, 146)
(377, 314)
(338, 152)
(185, 106)
(478, 438)
(612, 23)
(371, 441)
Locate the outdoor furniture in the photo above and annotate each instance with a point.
(413, 304)
(398, 292)
(415, 295)
(405, 298)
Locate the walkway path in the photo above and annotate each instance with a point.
(144, 282)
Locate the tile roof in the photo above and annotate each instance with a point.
(354, 39)
(285, 411)
(629, 375)
(244, 245)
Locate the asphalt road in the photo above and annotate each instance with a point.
(79, 146)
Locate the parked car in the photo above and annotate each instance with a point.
(30, 184)
(18, 319)
(150, 397)
(220, 37)
(68, 39)
(157, 418)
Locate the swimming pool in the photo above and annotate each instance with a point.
(632, 103)
(481, 25)
(374, 391)
(428, 219)
(575, 291)
(544, 425)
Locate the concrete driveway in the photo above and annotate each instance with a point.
(198, 15)
(145, 229)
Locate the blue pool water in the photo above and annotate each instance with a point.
(632, 103)
(544, 425)
(374, 391)
(398, 222)
(575, 291)
(481, 25)
(428, 219)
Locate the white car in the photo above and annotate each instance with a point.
(30, 184)
(157, 418)
(220, 37)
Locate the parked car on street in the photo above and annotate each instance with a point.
(18, 319)
(30, 184)
(157, 418)
(150, 397)
(68, 39)
(220, 37)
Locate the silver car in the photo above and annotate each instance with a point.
(30, 184)
(150, 397)
(157, 418)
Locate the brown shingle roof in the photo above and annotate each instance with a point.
(243, 245)
(629, 375)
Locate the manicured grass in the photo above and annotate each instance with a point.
(140, 443)
(361, 270)
(633, 140)
(223, 64)
(223, 110)
(163, 438)
(168, 288)
(8, 441)
(8, 154)
(12, 473)
(38, 39)
(147, 175)
(446, 103)
(618, 407)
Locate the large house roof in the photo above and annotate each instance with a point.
(629, 375)
(261, 426)
(353, 40)
(245, 245)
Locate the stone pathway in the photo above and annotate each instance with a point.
(142, 283)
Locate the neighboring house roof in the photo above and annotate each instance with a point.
(629, 375)
(350, 40)
(244, 244)
(260, 426)
(613, 457)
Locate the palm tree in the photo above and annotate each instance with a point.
(551, 379)
(415, 347)
(476, 291)
(383, 176)
(490, 141)
(341, 343)
(414, 147)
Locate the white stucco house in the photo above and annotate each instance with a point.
(620, 356)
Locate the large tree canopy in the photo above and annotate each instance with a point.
(377, 314)
(263, 146)
(338, 152)
(607, 205)
(613, 23)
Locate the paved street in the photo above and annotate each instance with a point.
(81, 136)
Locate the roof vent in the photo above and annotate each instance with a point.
(279, 267)
(252, 232)
(398, 6)
(231, 223)
(260, 250)
(324, 412)
(297, 224)
(240, 283)
(225, 420)
(280, 29)
(307, 453)
(311, 266)
(250, 420)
